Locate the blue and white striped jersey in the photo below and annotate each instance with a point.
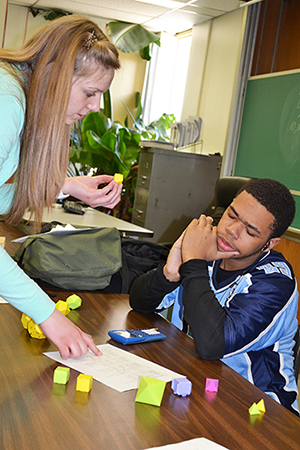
(261, 321)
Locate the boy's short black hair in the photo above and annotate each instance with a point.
(276, 198)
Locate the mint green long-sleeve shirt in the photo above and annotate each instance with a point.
(15, 286)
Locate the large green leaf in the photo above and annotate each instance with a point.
(49, 14)
(138, 105)
(130, 37)
(107, 145)
(107, 142)
(92, 159)
(97, 122)
(107, 104)
(145, 53)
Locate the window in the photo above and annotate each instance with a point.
(165, 76)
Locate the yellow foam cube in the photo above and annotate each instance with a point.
(118, 178)
(63, 307)
(35, 331)
(2, 241)
(84, 382)
(25, 320)
(261, 405)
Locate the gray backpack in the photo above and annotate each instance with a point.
(83, 260)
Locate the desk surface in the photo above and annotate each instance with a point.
(92, 219)
(35, 413)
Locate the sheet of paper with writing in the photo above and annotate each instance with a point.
(116, 368)
(193, 444)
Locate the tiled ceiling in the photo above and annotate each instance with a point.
(166, 15)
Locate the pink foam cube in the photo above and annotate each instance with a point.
(211, 385)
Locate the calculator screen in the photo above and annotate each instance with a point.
(124, 333)
(137, 333)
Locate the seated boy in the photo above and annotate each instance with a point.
(232, 292)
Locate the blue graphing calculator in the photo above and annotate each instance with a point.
(136, 336)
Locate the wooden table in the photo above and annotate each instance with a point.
(37, 414)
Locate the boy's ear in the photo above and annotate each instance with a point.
(271, 243)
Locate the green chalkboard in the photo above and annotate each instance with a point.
(269, 140)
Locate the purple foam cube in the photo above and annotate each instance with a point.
(211, 385)
(181, 386)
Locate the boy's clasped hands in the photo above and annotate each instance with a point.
(198, 241)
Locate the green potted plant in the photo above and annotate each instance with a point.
(99, 145)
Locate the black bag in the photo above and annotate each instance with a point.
(138, 257)
(83, 260)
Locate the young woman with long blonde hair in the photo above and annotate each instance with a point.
(56, 78)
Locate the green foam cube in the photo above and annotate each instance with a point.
(253, 410)
(74, 301)
(61, 375)
(151, 391)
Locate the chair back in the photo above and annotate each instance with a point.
(227, 188)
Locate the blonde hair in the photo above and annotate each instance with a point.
(66, 47)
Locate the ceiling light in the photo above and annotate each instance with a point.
(251, 2)
(171, 4)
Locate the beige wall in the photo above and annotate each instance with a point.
(16, 31)
(212, 73)
(127, 81)
(212, 76)
(2, 19)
